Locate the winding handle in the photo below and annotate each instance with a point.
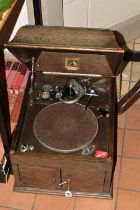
(134, 93)
(132, 55)
(129, 98)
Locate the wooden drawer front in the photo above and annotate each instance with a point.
(84, 181)
(40, 177)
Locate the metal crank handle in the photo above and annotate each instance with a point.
(127, 100)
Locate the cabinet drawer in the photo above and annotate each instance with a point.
(40, 177)
(85, 181)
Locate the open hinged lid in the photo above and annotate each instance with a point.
(95, 49)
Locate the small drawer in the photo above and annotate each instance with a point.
(40, 177)
(84, 181)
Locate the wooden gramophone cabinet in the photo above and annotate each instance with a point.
(66, 139)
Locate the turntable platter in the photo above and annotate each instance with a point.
(65, 128)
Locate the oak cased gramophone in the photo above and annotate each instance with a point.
(65, 140)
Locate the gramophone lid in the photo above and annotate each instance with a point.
(34, 39)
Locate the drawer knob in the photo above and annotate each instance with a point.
(68, 194)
